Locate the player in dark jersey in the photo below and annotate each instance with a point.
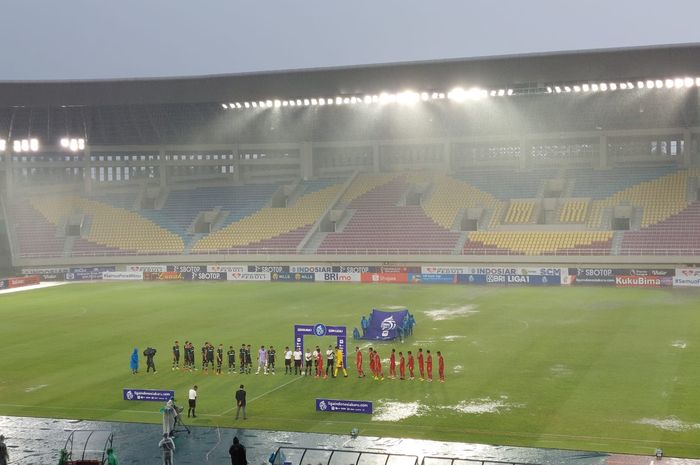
(176, 356)
(241, 359)
(231, 359)
(210, 355)
(205, 366)
(248, 360)
(219, 358)
(271, 353)
(186, 355)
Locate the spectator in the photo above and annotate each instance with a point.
(134, 364)
(240, 402)
(168, 447)
(4, 455)
(237, 452)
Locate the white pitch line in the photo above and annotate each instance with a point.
(218, 441)
(296, 378)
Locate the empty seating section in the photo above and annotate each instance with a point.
(509, 184)
(659, 199)
(539, 242)
(181, 207)
(519, 212)
(573, 211)
(270, 222)
(678, 235)
(363, 184)
(599, 184)
(34, 234)
(379, 225)
(450, 196)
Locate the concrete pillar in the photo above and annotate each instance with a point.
(236, 165)
(687, 154)
(603, 152)
(375, 158)
(9, 173)
(306, 156)
(162, 168)
(87, 173)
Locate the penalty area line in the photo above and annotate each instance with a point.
(297, 378)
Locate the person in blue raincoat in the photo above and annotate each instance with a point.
(134, 361)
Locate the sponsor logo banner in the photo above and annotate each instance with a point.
(341, 277)
(187, 268)
(43, 271)
(87, 274)
(206, 276)
(227, 268)
(23, 281)
(298, 277)
(398, 269)
(642, 281)
(268, 269)
(236, 276)
(688, 272)
(384, 277)
(471, 278)
(123, 275)
(596, 280)
(343, 406)
(312, 269)
(523, 279)
(432, 278)
(355, 269)
(3, 284)
(163, 276)
(432, 269)
(686, 281)
(601, 272)
(151, 395)
(518, 271)
(153, 268)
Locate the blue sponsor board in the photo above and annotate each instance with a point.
(151, 395)
(293, 277)
(87, 274)
(432, 278)
(472, 278)
(523, 279)
(343, 406)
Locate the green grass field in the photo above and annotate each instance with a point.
(577, 368)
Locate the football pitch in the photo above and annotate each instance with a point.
(589, 368)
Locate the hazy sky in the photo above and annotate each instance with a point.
(96, 39)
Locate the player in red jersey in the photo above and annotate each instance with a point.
(441, 367)
(421, 366)
(372, 367)
(358, 363)
(402, 366)
(378, 366)
(429, 365)
(411, 364)
(392, 364)
(319, 366)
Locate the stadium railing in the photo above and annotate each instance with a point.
(312, 456)
(453, 461)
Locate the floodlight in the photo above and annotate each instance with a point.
(493, 93)
(81, 144)
(457, 94)
(549, 90)
(557, 89)
(509, 92)
(688, 82)
(73, 146)
(232, 106)
(322, 101)
(630, 86)
(623, 85)
(224, 106)
(353, 100)
(34, 145)
(25, 145)
(585, 87)
(64, 143)
(367, 99)
(292, 103)
(346, 100)
(612, 86)
(669, 83)
(269, 103)
(329, 101)
(659, 83)
(577, 88)
(567, 89)
(650, 84)
(441, 95)
(434, 95)
(603, 86)
(3, 145)
(375, 99)
(407, 97)
(697, 81)
(255, 104)
(277, 103)
(261, 104)
(246, 104)
(501, 92)
(339, 100)
(424, 96)
(17, 146)
(594, 87)
(678, 82)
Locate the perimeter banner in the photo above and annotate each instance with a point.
(151, 395)
(343, 406)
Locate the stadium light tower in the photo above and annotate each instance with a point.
(74, 144)
(25, 145)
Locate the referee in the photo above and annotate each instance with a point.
(192, 398)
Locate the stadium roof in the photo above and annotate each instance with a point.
(493, 72)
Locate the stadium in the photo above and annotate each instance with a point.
(537, 214)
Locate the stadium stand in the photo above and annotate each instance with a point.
(677, 235)
(574, 211)
(539, 243)
(519, 212)
(450, 196)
